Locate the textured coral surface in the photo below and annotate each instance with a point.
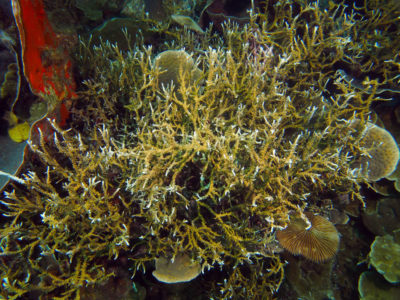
(205, 154)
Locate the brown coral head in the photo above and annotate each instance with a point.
(172, 63)
(317, 241)
(181, 269)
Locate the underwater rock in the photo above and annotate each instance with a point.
(317, 241)
(384, 219)
(309, 281)
(10, 84)
(152, 7)
(133, 9)
(120, 287)
(111, 31)
(219, 11)
(91, 9)
(338, 217)
(395, 176)
(95, 9)
(5, 14)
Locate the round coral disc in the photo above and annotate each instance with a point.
(317, 242)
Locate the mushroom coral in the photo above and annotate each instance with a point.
(316, 241)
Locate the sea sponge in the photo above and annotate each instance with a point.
(385, 257)
(171, 63)
(182, 269)
(19, 132)
(383, 153)
(317, 241)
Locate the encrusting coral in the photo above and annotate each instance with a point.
(312, 236)
(209, 167)
(373, 287)
(385, 257)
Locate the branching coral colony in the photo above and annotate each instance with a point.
(209, 168)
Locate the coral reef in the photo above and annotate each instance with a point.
(308, 280)
(174, 66)
(372, 287)
(204, 159)
(385, 257)
(384, 219)
(395, 176)
(181, 269)
(311, 236)
(383, 153)
(9, 86)
(93, 10)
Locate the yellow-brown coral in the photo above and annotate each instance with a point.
(317, 241)
(383, 153)
(176, 64)
(385, 257)
(182, 269)
(211, 170)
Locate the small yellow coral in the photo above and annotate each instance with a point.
(182, 269)
(19, 132)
